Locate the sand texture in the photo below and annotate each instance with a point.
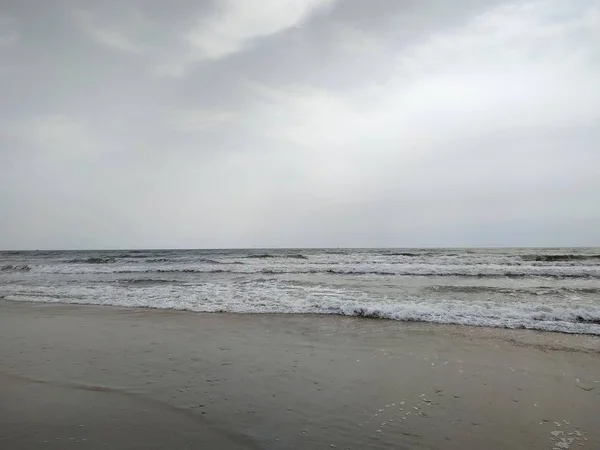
(101, 377)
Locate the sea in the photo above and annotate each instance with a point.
(541, 289)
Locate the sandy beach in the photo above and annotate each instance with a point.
(103, 377)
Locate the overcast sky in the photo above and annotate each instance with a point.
(293, 123)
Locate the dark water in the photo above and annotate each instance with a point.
(546, 289)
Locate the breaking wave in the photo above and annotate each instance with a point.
(533, 291)
(512, 315)
(93, 260)
(145, 281)
(560, 257)
(215, 262)
(296, 256)
(546, 289)
(421, 272)
(15, 268)
(269, 256)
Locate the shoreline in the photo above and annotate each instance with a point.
(312, 314)
(303, 381)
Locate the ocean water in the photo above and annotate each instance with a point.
(544, 289)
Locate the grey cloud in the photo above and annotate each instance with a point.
(9, 35)
(350, 124)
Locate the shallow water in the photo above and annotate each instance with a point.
(545, 289)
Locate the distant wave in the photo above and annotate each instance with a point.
(269, 256)
(560, 257)
(15, 268)
(354, 272)
(146, 281)
(419, 253)
(182, 271)
(533, 291)
(105, 266)
(296, 256)
(215, 262)
(542, 272)
(134, 255)
(212, 262)
(93, 260)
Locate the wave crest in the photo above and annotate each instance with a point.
(535, 316)
(559, 257)
(269, 256)
(93, 260)
(15, 268)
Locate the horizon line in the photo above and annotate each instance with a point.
(490, 247)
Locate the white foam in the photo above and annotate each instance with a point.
(339, 268)
(274, 296)
(537, 289)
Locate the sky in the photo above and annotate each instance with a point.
(299, 123)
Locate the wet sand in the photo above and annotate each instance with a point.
(53, 416)
(98, 377)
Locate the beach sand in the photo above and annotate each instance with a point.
(101, 377)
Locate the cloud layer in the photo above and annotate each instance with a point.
(299, 123)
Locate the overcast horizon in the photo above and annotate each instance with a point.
(299, 124)
(210, 249)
